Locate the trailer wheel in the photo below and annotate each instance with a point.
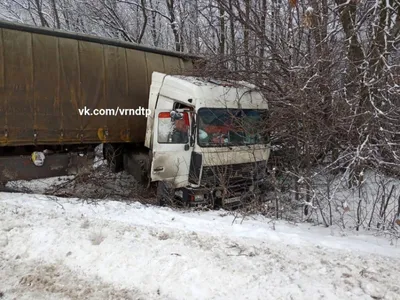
(3, 185)
(114, 156)
(165, 193)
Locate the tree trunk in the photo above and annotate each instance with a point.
(43, 21)
(55, 12)
(174, 25)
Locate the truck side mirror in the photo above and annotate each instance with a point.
(176, 115)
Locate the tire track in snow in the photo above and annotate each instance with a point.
(35, 280)
(179, 264)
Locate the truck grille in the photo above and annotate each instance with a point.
(237, 175)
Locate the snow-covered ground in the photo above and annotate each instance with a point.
(53, 248)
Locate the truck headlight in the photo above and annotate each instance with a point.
(198, 197)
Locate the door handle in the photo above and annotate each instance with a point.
(187, 147)
(159, 169)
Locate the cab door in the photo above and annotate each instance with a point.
(171, 148)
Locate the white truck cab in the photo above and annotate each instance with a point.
(206, 139)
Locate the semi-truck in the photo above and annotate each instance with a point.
(200, 140)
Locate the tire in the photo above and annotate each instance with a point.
(137, 165)
(165, 193)
(3, 185)
(215, 203)
(114, 156)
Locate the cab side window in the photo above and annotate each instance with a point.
(173, 131)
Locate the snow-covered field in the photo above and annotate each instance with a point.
(52, 248)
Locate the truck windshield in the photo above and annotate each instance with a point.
(231, 127)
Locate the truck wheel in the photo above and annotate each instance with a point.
(213, 202)
(137, 165)
(165, 193)
(114, 156)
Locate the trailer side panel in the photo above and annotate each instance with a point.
(46, 78)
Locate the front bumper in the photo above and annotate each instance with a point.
(230, 196)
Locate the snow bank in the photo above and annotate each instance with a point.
(158, 253)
